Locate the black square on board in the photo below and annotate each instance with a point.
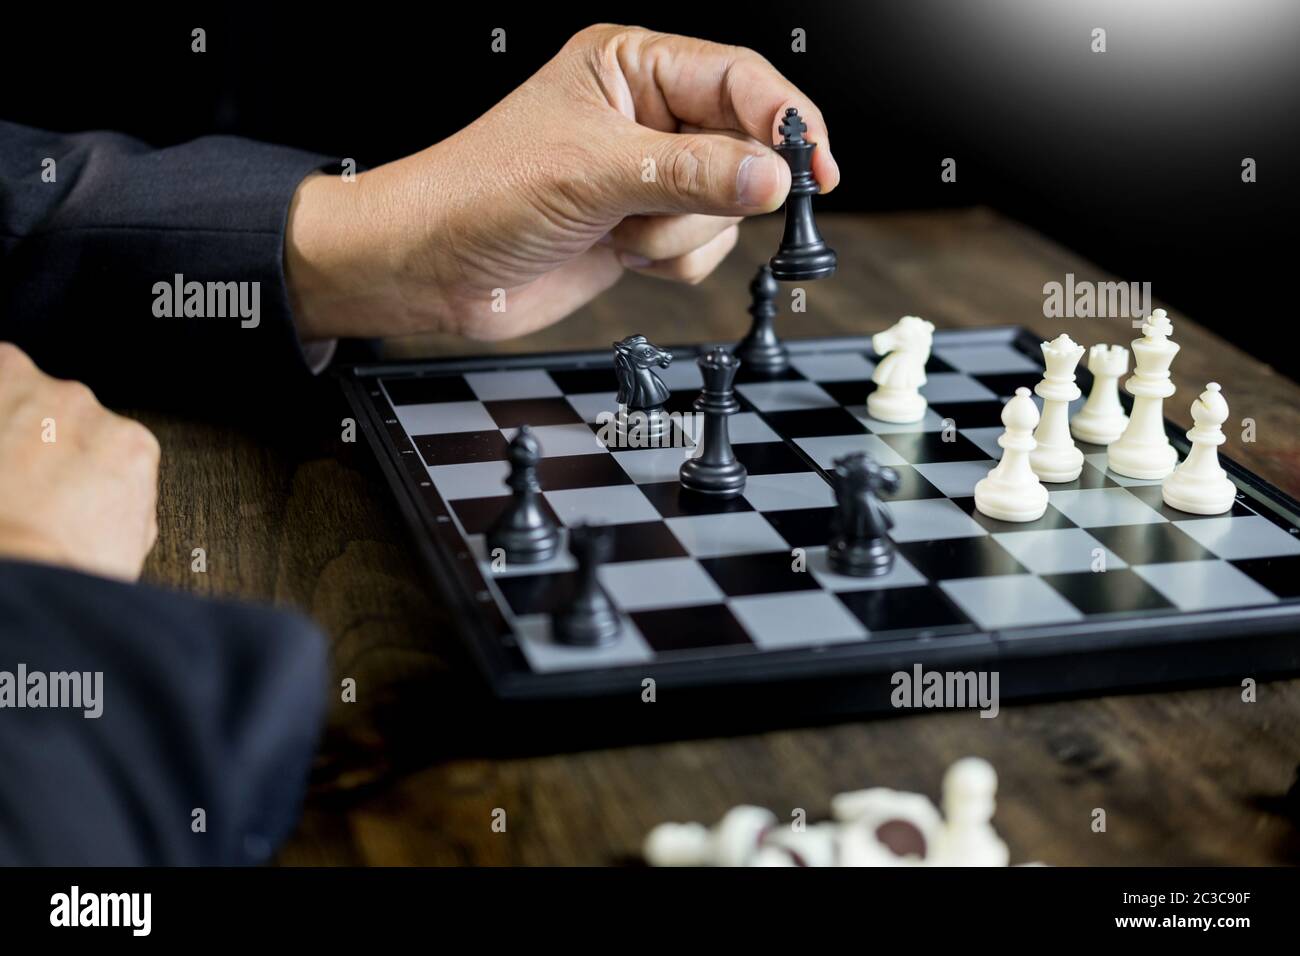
(971, 414)
(477, 514)
(802, 527)
(428, 389)
(814, 423)
(532, 411)
(538, 593)
(767, 573)
(1121, 591)
(585, 381)
(920, 448)
(457, 448)
(885, 610)
(1153, 495)
(1156, 543)
(580, 471)
(852, 393)
(673, 501)
(691, 628)
(747, 375)
(1279, 575)
(912, 485)
(1004, 384)
(1050, 520)
(644, 541)
(949, 558)
(770, 458)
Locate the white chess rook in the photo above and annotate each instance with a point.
(1011, 491)
(900, 374)
(1199, 486)
(1143, 451)
(1102, 418)
(1056, 458)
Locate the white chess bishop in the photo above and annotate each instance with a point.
(1011, 491)
(900, 374)
(1143, 451)
(1102, 418)
(1056, 458)
(1199, 485)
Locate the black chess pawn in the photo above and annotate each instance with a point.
(589, 619)
(524, 530)
(803, 253)
(641, 392)
(714, 469)
(860, 544)
(760, 349)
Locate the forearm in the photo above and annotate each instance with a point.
(94, 239)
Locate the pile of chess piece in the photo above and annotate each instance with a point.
(875, 827)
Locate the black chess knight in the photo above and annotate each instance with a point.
(589, 619)
(761, 350)
(641, 392)
(714, 470)
(524, 531)
(803, 253)
(860, 544)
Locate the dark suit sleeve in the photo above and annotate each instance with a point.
(205, 706)
(81, 256)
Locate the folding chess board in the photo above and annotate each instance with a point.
(1110, 588)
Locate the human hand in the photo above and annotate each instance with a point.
(629, 149)
(79, 484)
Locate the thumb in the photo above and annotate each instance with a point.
(707, 173)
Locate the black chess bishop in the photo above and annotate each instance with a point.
(860, 545)
(524, 530)
(589, 619)
(803, 253)
(760, 349)
(641, 392)
(714, 469)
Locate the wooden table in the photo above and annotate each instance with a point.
(290, 514)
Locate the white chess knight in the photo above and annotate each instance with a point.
(1143, 451)
(968, 837)
(901, 373)
(1102, 418)
(1199, 485)
(1011, 491)
(1056, 458)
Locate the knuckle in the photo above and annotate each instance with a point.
(13, 359)
(76, 396)
(688, 168)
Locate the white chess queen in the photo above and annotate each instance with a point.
(901, 373)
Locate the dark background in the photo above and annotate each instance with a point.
(1131, 157)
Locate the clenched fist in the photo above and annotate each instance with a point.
(629, 149)
(78, 484)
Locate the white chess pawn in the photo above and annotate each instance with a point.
(968, 839)
(1056, 458)
(1102, 418)
(901, 373)
(1199, 485)
(733, 842)
(1143, 451)
(1011, 491)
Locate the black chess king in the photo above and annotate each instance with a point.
(803, 253)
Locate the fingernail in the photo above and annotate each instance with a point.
(753, 181)
(633, 262)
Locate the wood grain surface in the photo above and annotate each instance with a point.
(413, 771)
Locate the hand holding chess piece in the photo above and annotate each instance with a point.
(900, 375)
(1199, 485)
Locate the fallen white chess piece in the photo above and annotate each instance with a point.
(875, 827)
